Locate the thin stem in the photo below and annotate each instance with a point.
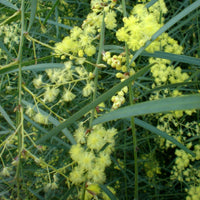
(131, 96)
(9, 18)
(96, 70)
(19, 110)
(83, 192)
(28, 37)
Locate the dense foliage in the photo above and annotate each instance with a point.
(99, 99)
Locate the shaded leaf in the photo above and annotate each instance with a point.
(6, 117)
(33, 12)
(108, 192)
(157, 106)
(9, 4)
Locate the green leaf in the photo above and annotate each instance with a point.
(168, 25)
(108, 192)
(51, 11)
(33, 12)
(157, 106)
(93, 104)
(55, 23)
(162, 134)
(9, 4)
(173, 57)
(148, 5)
(6, 117)
(40, 67)
(14, 68)
(170, 86)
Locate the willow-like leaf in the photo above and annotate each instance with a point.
(156, 106)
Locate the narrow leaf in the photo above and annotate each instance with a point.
(6, 117)
(33, 12)
(51, 11)
(40, 67)
(173, 57)
(55, 23)
(157, 106)
(9, 4)
(162, 134)
(108, 192)
(148, 5)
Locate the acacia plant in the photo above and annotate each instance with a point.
(99, 99)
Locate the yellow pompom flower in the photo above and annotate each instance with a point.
(68, 96)
(86, 160)
(77, 175)
(95, 141)
(110, 20)
(88, 89)
(97, 175)
(90, 50)
(37, 82)
(50, 94)
(76, 152)
(40, 118)
(80, 135)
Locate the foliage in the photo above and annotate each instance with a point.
(99, 99)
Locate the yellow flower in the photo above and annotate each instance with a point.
(76, 152)
(95, 141)
(5, 171)
(90, 50)
(97, 175)
(50, 94)
(37, 82)
(68, 96)
(86, 160)
(40, 118)
(88, 89)
(103, 160)
(77, 176)
(110, 20)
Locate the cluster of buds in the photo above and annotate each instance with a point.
(119, 99)
(98, 6)
(117, 61)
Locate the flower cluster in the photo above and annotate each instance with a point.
(151, 165)
(91, 154)
(10, 33)
(62, 81)
(118, 62)
(80, 42)
(185, 170)
(141, 25)
(163, 72)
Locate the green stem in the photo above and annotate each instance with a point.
(83, 192)
(131, 96)
(9, 18)
(96, 70)
(19, 110)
